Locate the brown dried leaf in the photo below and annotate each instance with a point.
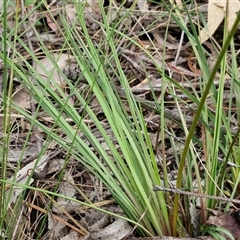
(226, 221)
(117, 230)
(71, 13)
(217, 10)
(52, 25)
(22, 98)
(50, 73)
(230, 11)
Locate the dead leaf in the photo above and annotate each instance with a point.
(55, 165)
(226, 221)
(215, 17)
(14, 155)
(71, 13)
(92, 13)
(66, 188)
(22, 98)
(55, 225)
(217, 10)
(51, 23)
(50, 73)
(117, 230)
(179, 4)
(22, 177)
(72, 235)
(143, 5)
(230, 10)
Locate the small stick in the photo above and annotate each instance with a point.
(179, 191)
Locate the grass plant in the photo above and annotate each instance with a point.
(127, 167)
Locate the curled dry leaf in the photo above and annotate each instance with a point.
(117, 230)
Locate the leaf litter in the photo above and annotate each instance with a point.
(96, 224)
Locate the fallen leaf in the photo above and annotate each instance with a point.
(71, 13)
(215, 17)
(217, 10)
(56, 226)
(226, 221)
(66, 188)
(179, 4)
(22, 178)
(55, 165)
(143, 5)
(72, 235)
(14, 155)
(117, 230)
(50, 73)
(51, 23)
(22, 98)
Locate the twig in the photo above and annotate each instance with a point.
(55, 217)
(179, 191)
(17, 224)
